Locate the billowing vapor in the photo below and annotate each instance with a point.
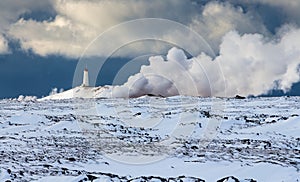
(247, 64)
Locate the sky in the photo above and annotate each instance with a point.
(170, 47)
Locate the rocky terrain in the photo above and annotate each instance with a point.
(150, 139)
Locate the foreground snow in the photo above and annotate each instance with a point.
(148, 138)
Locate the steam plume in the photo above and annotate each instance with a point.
(247, 65)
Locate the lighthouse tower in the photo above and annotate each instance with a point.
(85, 81)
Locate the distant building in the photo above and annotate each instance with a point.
(85, 81)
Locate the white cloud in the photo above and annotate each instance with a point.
(48, 37)
(217, 19)
(3, 45)
(79, 22)
(10, 10)
(252, 65)
(247, 65)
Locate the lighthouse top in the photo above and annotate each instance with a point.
(85, 81)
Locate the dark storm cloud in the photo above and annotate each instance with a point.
(27, 74)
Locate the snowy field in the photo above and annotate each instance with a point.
(150, 139)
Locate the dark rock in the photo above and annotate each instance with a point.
(184, 178)
(239, 97)
(47, 165)
(250, 180)
(228, 178)
(84, 179)
(238, 149)
(72, 159)
(194, 147)
(137, 114)
(149, 178)
(206, 114)
(91, 177)
(168, 113)
(154, 95)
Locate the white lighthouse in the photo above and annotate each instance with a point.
(85, 81)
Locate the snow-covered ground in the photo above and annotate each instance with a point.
(150, 139)
(82, 92)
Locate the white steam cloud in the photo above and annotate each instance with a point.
(247, 65)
